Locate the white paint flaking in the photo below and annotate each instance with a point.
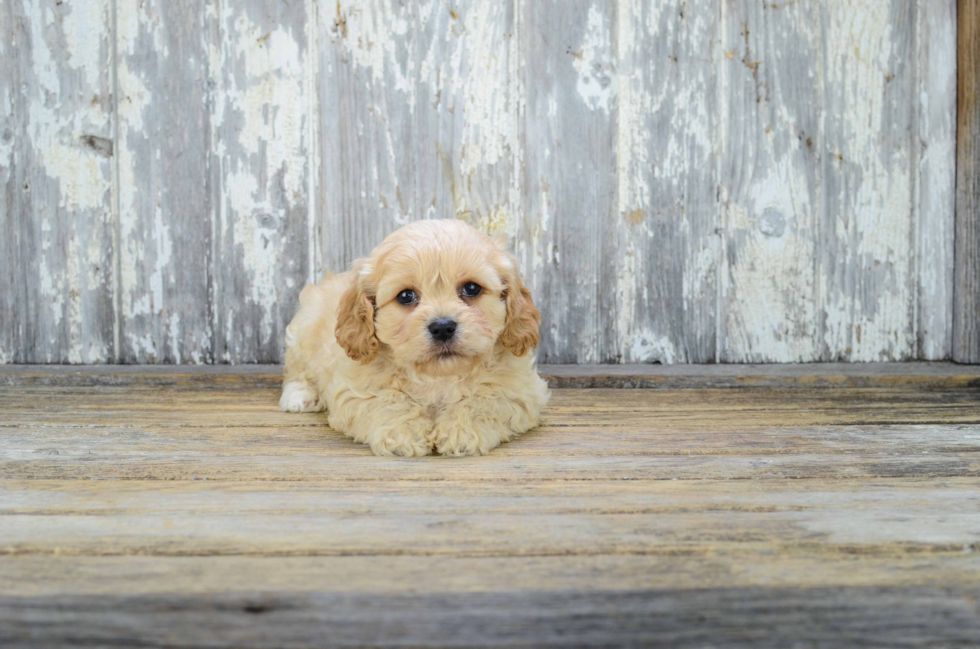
(875, 224)
(375, 39)
(935, 175)
(634, 105)
(594, 63)
(648, 347)
(71, 188)
(136, 99)
(55, 133)
(892, 202)
(269, 105)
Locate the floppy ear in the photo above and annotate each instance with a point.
(520, 334)
(355, 321)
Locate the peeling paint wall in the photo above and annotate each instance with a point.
(681, 180)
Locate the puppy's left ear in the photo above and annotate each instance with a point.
(520, 334)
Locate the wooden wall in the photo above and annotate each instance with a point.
(966, 282)
(682, 180)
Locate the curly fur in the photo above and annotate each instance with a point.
(353, 350)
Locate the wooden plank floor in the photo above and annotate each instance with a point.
(182, 509)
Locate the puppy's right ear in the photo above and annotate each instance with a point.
(355, 319)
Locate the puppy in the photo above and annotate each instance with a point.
(425, 346)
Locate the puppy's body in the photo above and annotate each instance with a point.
(391, 374)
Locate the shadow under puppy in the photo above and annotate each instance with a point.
(424, 346)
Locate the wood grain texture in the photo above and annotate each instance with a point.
(56, 144)
(807, 227)
(808, 376)
(681, 181)
(867, 225)
(470, 112)
(966, 323)
(771, 181)
(368, 114)
(164, 202)
(658, 294)
(934, 155)
(762, 434)
(737, 517)
(769, 618)
(46, 576)
(261, 116)
(420, 108)
(488, 519)
(570, 172)
(10, 263)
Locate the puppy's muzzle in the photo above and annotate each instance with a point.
(442, 330)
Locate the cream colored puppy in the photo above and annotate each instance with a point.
(425, 346)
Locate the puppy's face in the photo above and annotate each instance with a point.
(439, 295)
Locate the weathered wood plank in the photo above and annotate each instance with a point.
(11, 263)
(164, 199)
(658, 294)
(261, 112)
(486, 519)
(470, 107)
(338, 458)
(771, 181)
(761, 617)
(586, 434)
(661, 377)
(674, 443)
(570, 175)
(866, 233)
(368, 125)
(255, 407)
(420, 108)
(966, 323)
(934, 156)
(42, 576)
(109, 534)
(57, 259)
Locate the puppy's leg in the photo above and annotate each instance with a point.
(477, 425)
(299, 396)
(390, 423)
(299, 393)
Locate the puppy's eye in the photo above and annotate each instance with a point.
(471, 289)
(407, 297)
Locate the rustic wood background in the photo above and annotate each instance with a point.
(682, 180)
(966, 302)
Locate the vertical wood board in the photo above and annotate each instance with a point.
(966, 322)
(771, 178)
(469, 104)
(660, 244)
(260, 152)
(57, 147)
(866, 236)
(934, 157)
(368, 127)
(164, 215)
(570, 170)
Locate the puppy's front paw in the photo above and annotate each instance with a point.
(456, 439)
(408, 439)
(299, 396)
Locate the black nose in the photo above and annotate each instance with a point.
(442, 330)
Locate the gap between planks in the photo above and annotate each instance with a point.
(663, 377)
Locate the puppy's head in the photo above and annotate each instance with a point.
(440, 295)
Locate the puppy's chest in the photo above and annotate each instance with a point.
(437, 395)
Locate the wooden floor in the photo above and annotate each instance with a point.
(819, 508)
